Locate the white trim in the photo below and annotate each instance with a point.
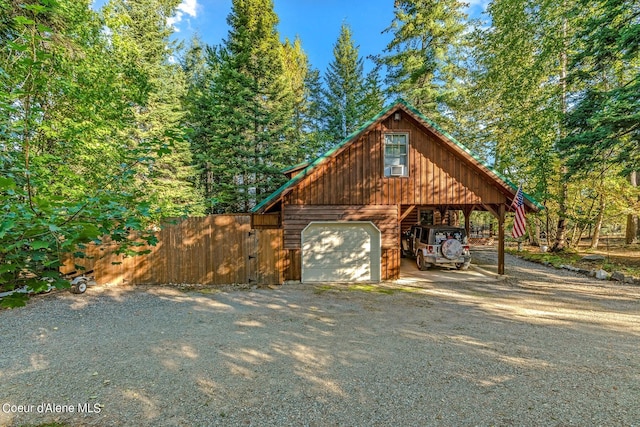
(386, 172)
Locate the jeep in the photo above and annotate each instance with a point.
(436, 245)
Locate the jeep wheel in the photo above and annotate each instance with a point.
(422, 265)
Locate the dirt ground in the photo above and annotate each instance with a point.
(539, 346)
(615, 250)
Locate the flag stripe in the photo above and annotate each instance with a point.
(520, 222)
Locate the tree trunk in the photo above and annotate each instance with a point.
(561, 232)
(598, 226)
(560, 242)
(534, 233)
(633, 229)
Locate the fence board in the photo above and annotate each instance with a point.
(210, 250)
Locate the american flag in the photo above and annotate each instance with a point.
(520, 221)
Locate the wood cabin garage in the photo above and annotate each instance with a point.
(394, 171)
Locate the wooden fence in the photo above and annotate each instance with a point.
(212, 250)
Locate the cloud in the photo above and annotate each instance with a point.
(187, 7)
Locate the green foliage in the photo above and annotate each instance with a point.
(426, 55)
(140, 37)
(555, 259)
(69, 168)
(345, 88)
(605, 120)
(244, 113)
(347, 99)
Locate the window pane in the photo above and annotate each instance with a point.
(396, 152)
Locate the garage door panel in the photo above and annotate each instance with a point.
(337, 275)
(341, 252)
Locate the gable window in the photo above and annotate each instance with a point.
(396, 154)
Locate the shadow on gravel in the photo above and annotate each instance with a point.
(524, 352)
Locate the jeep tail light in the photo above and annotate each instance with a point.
(466, 248)
(430, 249)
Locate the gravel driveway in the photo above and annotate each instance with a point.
(540, 347)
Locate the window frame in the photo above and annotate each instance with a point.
(386, 169)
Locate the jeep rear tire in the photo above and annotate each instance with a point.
(451, 249)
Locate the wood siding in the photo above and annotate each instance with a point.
(438, 175)
(212, 250)
(297, 217)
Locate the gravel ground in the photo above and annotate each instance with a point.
(539, 347)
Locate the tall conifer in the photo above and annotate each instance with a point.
(349, 96)
(252, 106)
(424, 57)
(140, 36)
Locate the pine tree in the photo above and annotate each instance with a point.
(140, 36)
(423, 58)
(296, 72)
(201, 65)
(345, 89)
(374, 97)
(252, 110)
(315, 136)
(606, 116)
(603, 127)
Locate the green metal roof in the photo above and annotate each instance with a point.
(298, 177)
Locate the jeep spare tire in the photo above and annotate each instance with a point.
(451, 249)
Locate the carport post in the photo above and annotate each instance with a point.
(467, 220)
(501, 214)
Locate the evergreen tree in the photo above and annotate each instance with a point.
(603, 127)
(606, 116)
(140, 36)
(316, 122)
(252, 111)
(345, 91)
(201, 64)
(374, 97)
(296, 72)
(423, 58)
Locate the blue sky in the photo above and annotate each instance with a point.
(316, 22)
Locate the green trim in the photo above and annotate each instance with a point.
(362, 128)
(469, 152)
(320, 159)
(298, 166)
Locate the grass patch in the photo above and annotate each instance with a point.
(322, 289)
(371, 288)
(46, 425)
(614, 262)
(555, 259)
(622, 268)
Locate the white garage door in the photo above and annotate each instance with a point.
(341, 252)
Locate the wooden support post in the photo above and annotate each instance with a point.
(467, 220)
(407, 212)
(501, 215)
